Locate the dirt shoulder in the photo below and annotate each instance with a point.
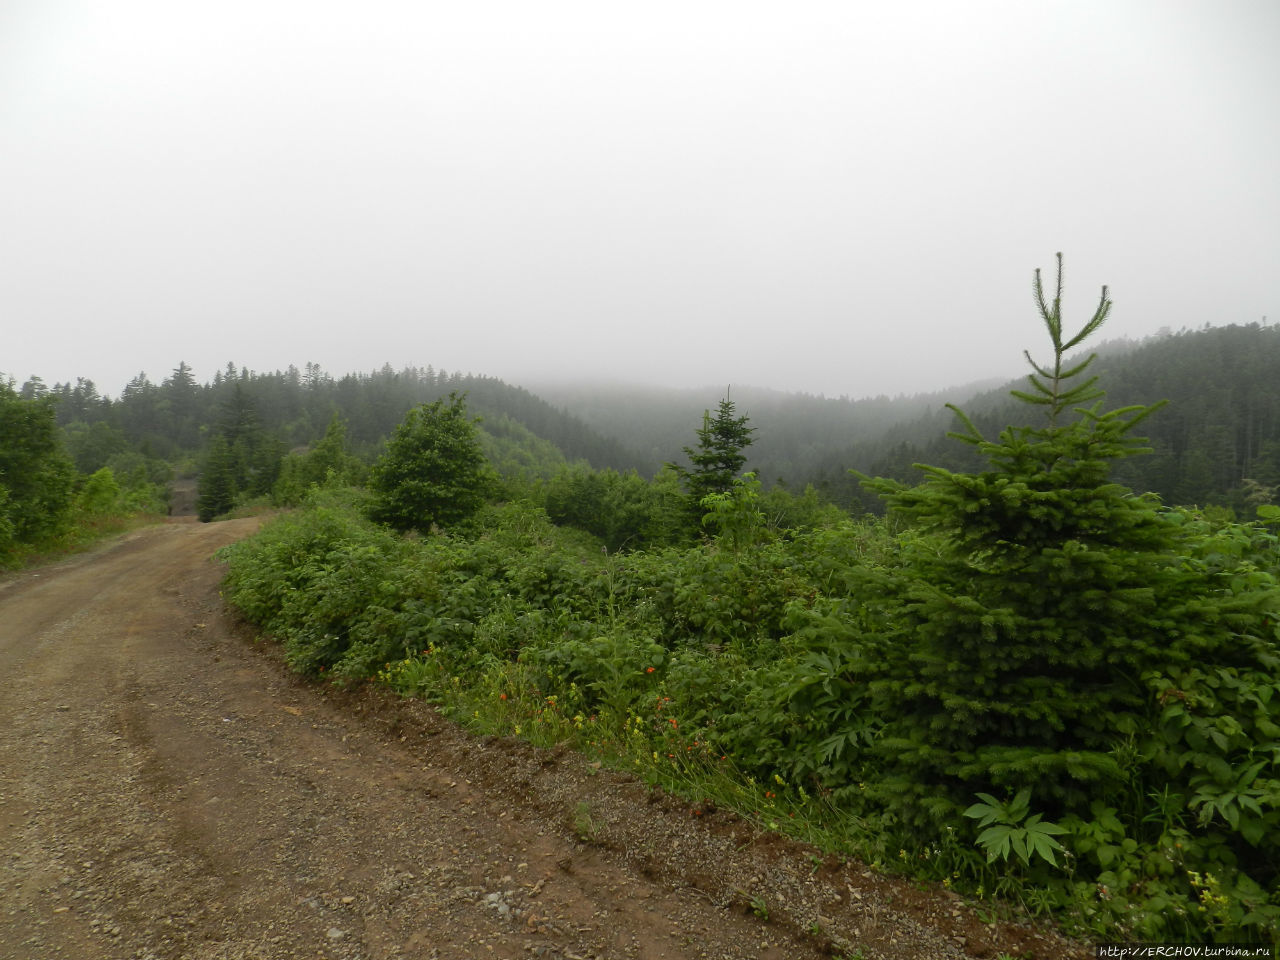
(169, 790)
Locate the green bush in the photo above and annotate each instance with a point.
(433, 472)
(100, 495)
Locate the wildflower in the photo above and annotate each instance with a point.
(502, 696)
(650, 670)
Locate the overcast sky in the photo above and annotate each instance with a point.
(837, 197)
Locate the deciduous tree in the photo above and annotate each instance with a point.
(36, 475)
(433, 471)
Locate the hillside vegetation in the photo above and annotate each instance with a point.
(1027, 682)
(1216, 444)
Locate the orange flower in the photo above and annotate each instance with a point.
(650, 670)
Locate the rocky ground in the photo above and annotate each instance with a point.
(169, 790)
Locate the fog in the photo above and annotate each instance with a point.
(835, 197)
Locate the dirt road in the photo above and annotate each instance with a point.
(168, 790)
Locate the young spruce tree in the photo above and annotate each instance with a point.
(1025, 625)
(718, 458)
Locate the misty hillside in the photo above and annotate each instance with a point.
(175, 417)
(793, 430)
(1221, 426)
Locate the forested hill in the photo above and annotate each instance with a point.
(177, 416)
(1220, 428)
(1217, 441)
(795, 432)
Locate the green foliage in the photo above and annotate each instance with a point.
(327, 464)
(8, 528)
(100, 495)
(1220, 428)
(761, 675)
(1050, 386)
(433, 472)
(93, 445)
(513, 450)
(1047, 621)
(218, 481)
(1030, 630)
(36, 475)
(243, 460)
(735, 514)
(1010, 829)
(620, 508)
(718, 458)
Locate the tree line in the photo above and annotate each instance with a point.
(1216, 443)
